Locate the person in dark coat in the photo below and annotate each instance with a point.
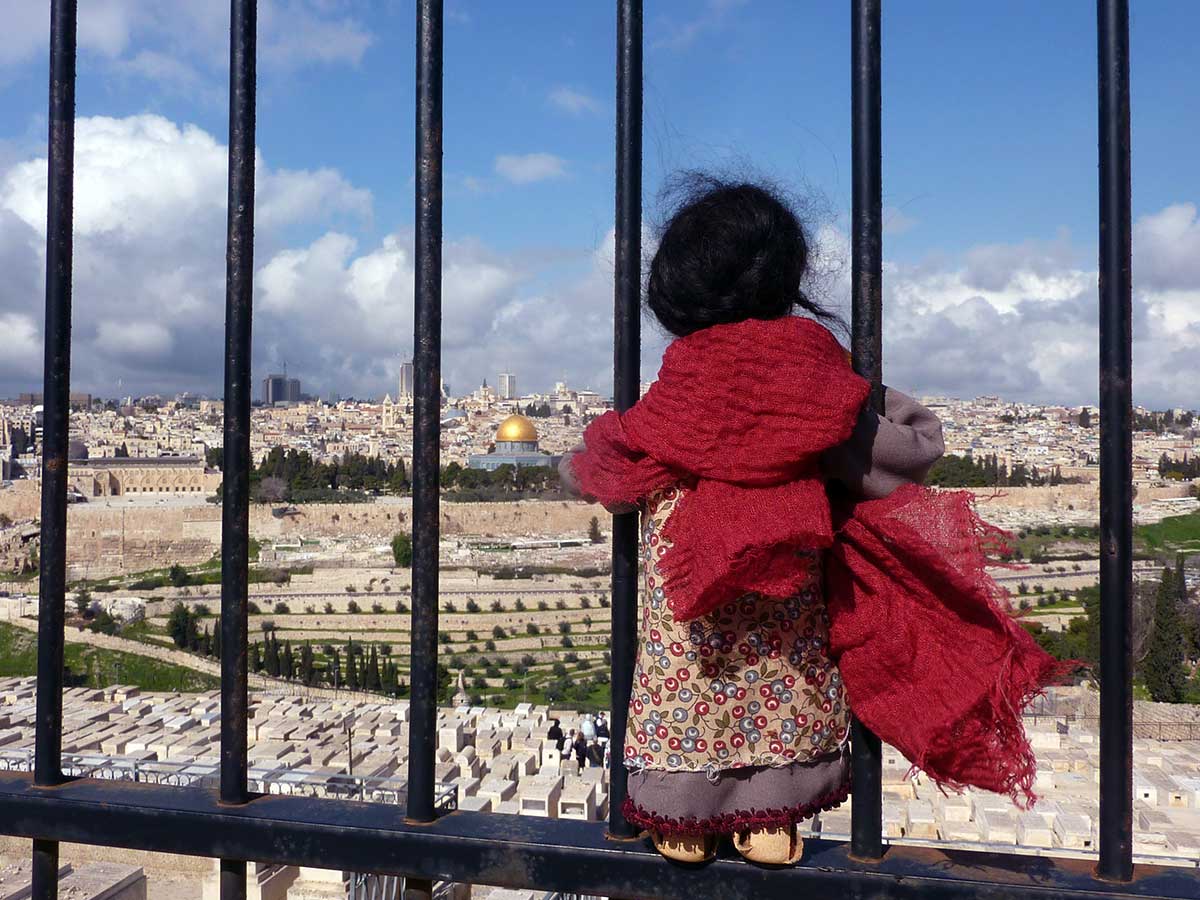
(556, 734)
(580, 747)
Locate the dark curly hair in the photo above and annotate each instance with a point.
(729, 251)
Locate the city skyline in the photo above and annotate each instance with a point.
(32, 398)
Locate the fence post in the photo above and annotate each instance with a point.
(1116, 447)
(866, 812)
(626, 381)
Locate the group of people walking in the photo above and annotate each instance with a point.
(588, 744)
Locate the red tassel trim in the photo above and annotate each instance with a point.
(739, 820)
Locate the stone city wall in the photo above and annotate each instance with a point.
(104, 539)
(1064, 496)
(1151, 721)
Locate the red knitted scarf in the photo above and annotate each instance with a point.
(931, 660)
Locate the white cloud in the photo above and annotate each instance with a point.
(896, 222)
(134, 176)
(707, 18)
(153, 39)
(149, 250)
(1167, 248)
(22, 346)
(530, 167)
(298, 32)
(133, 340)
(1015, 319)
(575, 102)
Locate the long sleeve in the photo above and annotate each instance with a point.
(887, 451)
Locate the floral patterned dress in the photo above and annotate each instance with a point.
(739, 719)
(746, 696)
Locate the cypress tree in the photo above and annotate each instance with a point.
(351, 667)
(306, 663)
(216, 644)
(255, 658)
(272, 656)
(334, 669)
(1162, 667)
(372, 682)
(289, 662)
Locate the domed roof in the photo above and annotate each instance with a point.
(516, 428)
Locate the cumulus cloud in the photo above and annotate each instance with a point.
(573, 101)
(1016, 319)
(149, 251)
(149, 279)
(153, 39)
(1166, 248)
(1021, 321)
(530, 167)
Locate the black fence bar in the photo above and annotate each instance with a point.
(44, 873)
(626, 382)
(235, 499)
(866, 811)
(52, 579)
(427, 400)
(1116, 447)
(529, 851)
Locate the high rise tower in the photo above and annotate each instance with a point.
(405, 392)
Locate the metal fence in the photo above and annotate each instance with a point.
(235, 824)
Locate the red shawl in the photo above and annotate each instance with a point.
(931, 660)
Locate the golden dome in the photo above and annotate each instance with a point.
(516, 428)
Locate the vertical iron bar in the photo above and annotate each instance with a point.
(44, 877)
(626, 379)
(232, 879)
(56, 410)
(427, 367)
(1116, 447)
(235, 501)
(56, 394)
(866, 812)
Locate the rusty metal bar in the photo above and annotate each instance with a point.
(866, 812)
(626, 380)
(1116, 447)
(427, 404)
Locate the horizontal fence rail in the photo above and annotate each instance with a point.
(525, 851)
(240, 813)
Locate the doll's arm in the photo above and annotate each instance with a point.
(887, 451)
(571, 487)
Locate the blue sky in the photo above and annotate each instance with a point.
(989, 178)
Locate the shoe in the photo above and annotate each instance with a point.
(685, 848)
(772, 846)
